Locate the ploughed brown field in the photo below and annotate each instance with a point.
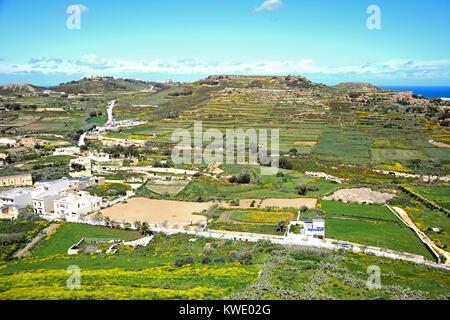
(174, 213)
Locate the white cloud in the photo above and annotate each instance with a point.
(269, 5)
(92, 65)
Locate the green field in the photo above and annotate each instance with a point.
(376, 212)
(69, 234)
(285, 186)
(437, 194)
(370, 225)
(141, 273)
(426, 219)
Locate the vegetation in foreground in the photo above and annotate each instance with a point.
(177, 267)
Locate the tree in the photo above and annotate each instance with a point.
(107, 221)
(138, 226)
(98, 217)
(281, 227)
(127, 225)
(145, 228)
(302, 190)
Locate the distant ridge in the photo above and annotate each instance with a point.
(357, 86)
(19, 88)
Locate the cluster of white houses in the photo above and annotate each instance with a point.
(63, 198)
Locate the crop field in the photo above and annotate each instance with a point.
(168, 188)
(252, 220)
(376, 212)
(283, 186)
(426, 219)
(343, 145)
(379, 156)
(370, 225)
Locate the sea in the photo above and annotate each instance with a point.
(425, 91)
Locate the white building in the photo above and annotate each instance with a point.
(46, 192)
(8, 142)
(315, 228)
(53, 185)
(66, 151)
(308, 230)
(43, 202)
(18, 197)
(99, 157)
(76, 205)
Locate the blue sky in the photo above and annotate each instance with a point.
(325, 40)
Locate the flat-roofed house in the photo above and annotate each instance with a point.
(8, 212)
(66, 151)
(22, 180)
(18, 197)
(43, 202)
(315, 228)
(53, 185)
(76, 205)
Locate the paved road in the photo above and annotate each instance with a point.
(25, 251)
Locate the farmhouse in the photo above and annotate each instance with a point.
(80, 167)
(76, 205)
(22, 180)
(310, 229)
(315, 228)
(66, 151)
(28, 142)
(8, 212)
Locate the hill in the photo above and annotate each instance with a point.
(357, 87)
(106, 85)
(19, 88)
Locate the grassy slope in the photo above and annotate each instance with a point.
(69, 234)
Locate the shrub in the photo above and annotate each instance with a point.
(219, 260)
(243, 257)
(206, 260)
(184, 261)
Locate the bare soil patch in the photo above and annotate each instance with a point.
(440, 144)
(157, 212)
(361, 195)
(305, 143)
